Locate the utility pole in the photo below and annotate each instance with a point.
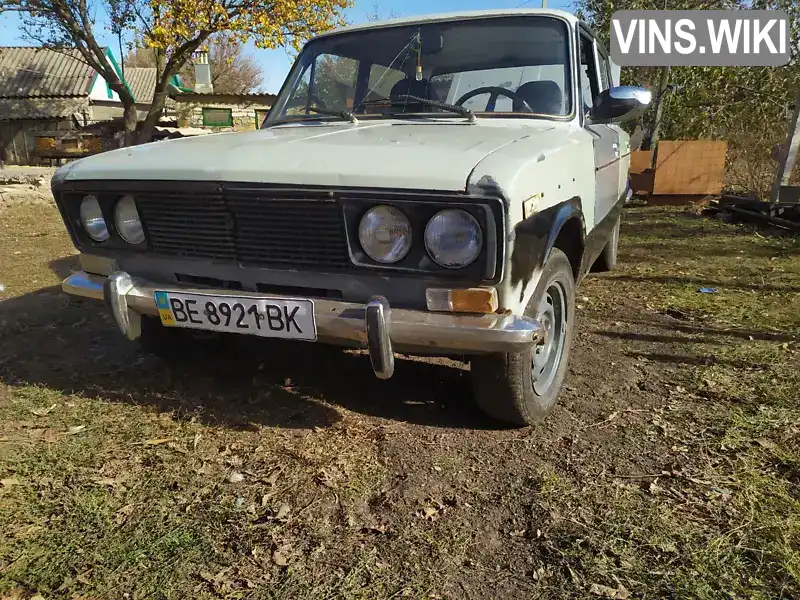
(544, 3)
(789, 152)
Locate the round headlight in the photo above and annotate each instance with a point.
(385, 234)
(92, 219)
(127, 221)
(453, 238)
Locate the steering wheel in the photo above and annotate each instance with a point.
(493, 92)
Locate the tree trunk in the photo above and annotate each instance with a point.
(153, 115)
(129, 116)
(159, 99)
(656, 131)
(130, 120)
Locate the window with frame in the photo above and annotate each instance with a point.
(261, 114)
(588, 73)
(604, 71)
(217, 117)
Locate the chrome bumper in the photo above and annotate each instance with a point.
(375, 326)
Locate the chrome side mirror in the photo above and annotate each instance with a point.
(619, 104)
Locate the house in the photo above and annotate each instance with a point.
(203, 107)
(49, 97)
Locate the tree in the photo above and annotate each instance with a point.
(233, 71)
(173, 29)
(747, 106)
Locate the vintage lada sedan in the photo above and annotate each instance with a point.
(426, 186)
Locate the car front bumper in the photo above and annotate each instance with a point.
(375, 326)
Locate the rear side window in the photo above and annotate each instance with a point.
(590, 86)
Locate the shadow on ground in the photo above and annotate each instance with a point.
(48, 338)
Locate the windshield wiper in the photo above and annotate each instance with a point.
(343, 113)
(460, 110)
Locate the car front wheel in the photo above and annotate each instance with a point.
(522, 388)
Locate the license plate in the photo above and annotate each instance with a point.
(267, 317)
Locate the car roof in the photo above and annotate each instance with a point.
(454, 16)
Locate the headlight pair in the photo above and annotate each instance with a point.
(453, 237)
(126, 220)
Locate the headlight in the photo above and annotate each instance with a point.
(385, 234)
(127, 221)
(453, 238)
(92, 219)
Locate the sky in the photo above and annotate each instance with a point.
(276, 63)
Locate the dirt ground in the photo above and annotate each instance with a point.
(669, 469)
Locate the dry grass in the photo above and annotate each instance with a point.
(671, 467)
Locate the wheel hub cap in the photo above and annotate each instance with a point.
(546, 357)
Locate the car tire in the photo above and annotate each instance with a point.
(608, 257)
(522, 388)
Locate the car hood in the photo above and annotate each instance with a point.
(432, 154)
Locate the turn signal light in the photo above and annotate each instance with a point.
(470, 300)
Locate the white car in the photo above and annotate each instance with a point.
(431, 186)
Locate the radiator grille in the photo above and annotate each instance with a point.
(254, 229)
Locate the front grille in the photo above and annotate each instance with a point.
(252, 228)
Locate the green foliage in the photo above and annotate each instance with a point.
(748, 106)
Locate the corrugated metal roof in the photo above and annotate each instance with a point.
(142, 81)
(40, 72)
(42, 108)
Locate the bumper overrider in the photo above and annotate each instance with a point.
(376, 326)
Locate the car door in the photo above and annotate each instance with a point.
(605, 137)
(623, 139)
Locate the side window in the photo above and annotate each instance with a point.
(604, 70)
(588, 72)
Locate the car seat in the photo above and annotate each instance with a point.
(543, 97)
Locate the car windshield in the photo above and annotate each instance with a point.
(491, 66)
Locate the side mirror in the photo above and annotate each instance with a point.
(618, 104)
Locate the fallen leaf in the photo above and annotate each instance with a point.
(604, 591)
(75, 429)
(206, 576)
(15, 594)
(279, 559)
(123, 514)
(767, 443)
(84, 577)
(283, 512)
(380, 529)
(235, 477)
(37, 597)
(8, 482)
(574, 576)
(273, 477)
(157, 442)
(41, 412)
(196, 441)
(428, 512)
(108, 481)
(437, 468)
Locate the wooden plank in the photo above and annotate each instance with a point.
(690, 167)
(640, 160)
